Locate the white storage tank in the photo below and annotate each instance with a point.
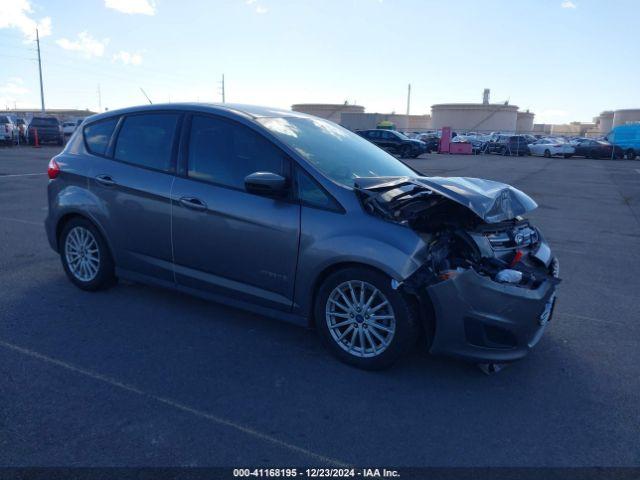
(605, 121)
(524, 122)
(478, 117)
(626, 115)
(330, 111)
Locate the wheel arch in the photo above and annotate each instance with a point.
(421, 303)
(69, 216)
(325, 273)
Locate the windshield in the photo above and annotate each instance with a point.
(338, 153)
(400, 134)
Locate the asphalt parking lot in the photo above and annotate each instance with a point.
(138, 376)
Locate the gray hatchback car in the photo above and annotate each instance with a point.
(295, 217)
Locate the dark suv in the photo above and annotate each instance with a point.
(49, 130)
(508, 145)
(295, 217)
(394, 142)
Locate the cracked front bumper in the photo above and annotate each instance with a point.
(481, 320)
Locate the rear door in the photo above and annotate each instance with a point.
(229, 242)
(132, 178)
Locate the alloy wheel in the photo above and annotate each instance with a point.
(82, 254)
(360, 318)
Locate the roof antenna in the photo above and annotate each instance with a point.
(147, 96)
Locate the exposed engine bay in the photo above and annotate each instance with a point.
(467, 223)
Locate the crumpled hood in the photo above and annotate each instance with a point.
(492, 201)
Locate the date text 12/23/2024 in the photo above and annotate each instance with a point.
(315, 473)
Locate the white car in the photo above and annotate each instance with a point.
(8, 131)
(68, 128)
(551, 147)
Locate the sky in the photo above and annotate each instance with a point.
(565, 60)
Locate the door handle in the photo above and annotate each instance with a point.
(105, 180)
(193, 203)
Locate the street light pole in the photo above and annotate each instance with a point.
(40, 70)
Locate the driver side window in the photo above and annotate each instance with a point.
(225, 152)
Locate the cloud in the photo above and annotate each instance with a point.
(143, 7)
(128, 58)
(568, 4)
(85, 44)
(14, 87)
(259, 9)
(18, 14)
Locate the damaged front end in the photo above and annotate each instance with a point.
(487, 275)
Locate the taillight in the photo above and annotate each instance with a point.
(54, 169)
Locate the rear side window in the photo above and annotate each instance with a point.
(146, 140)
(45, 121)
(97, 135)
(226, 152)
(4, 119)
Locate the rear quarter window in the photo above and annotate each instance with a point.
(97, 135)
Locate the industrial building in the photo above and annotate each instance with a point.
(354, 117)
(329, 111)
(404, 123)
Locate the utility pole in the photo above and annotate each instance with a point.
(222, 86)
(40, 70)
(409, 100)
(99, 99)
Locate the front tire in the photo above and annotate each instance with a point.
(547, 153)
(362, 320)
(631, 154)
(85, 256)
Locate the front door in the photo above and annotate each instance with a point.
(227, 241)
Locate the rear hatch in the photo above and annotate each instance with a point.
(47, 127)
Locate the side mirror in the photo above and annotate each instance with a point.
(266, 183)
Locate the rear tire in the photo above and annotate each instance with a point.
(631, 154)
(405, 152)
(85, 256)
(364, 338)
